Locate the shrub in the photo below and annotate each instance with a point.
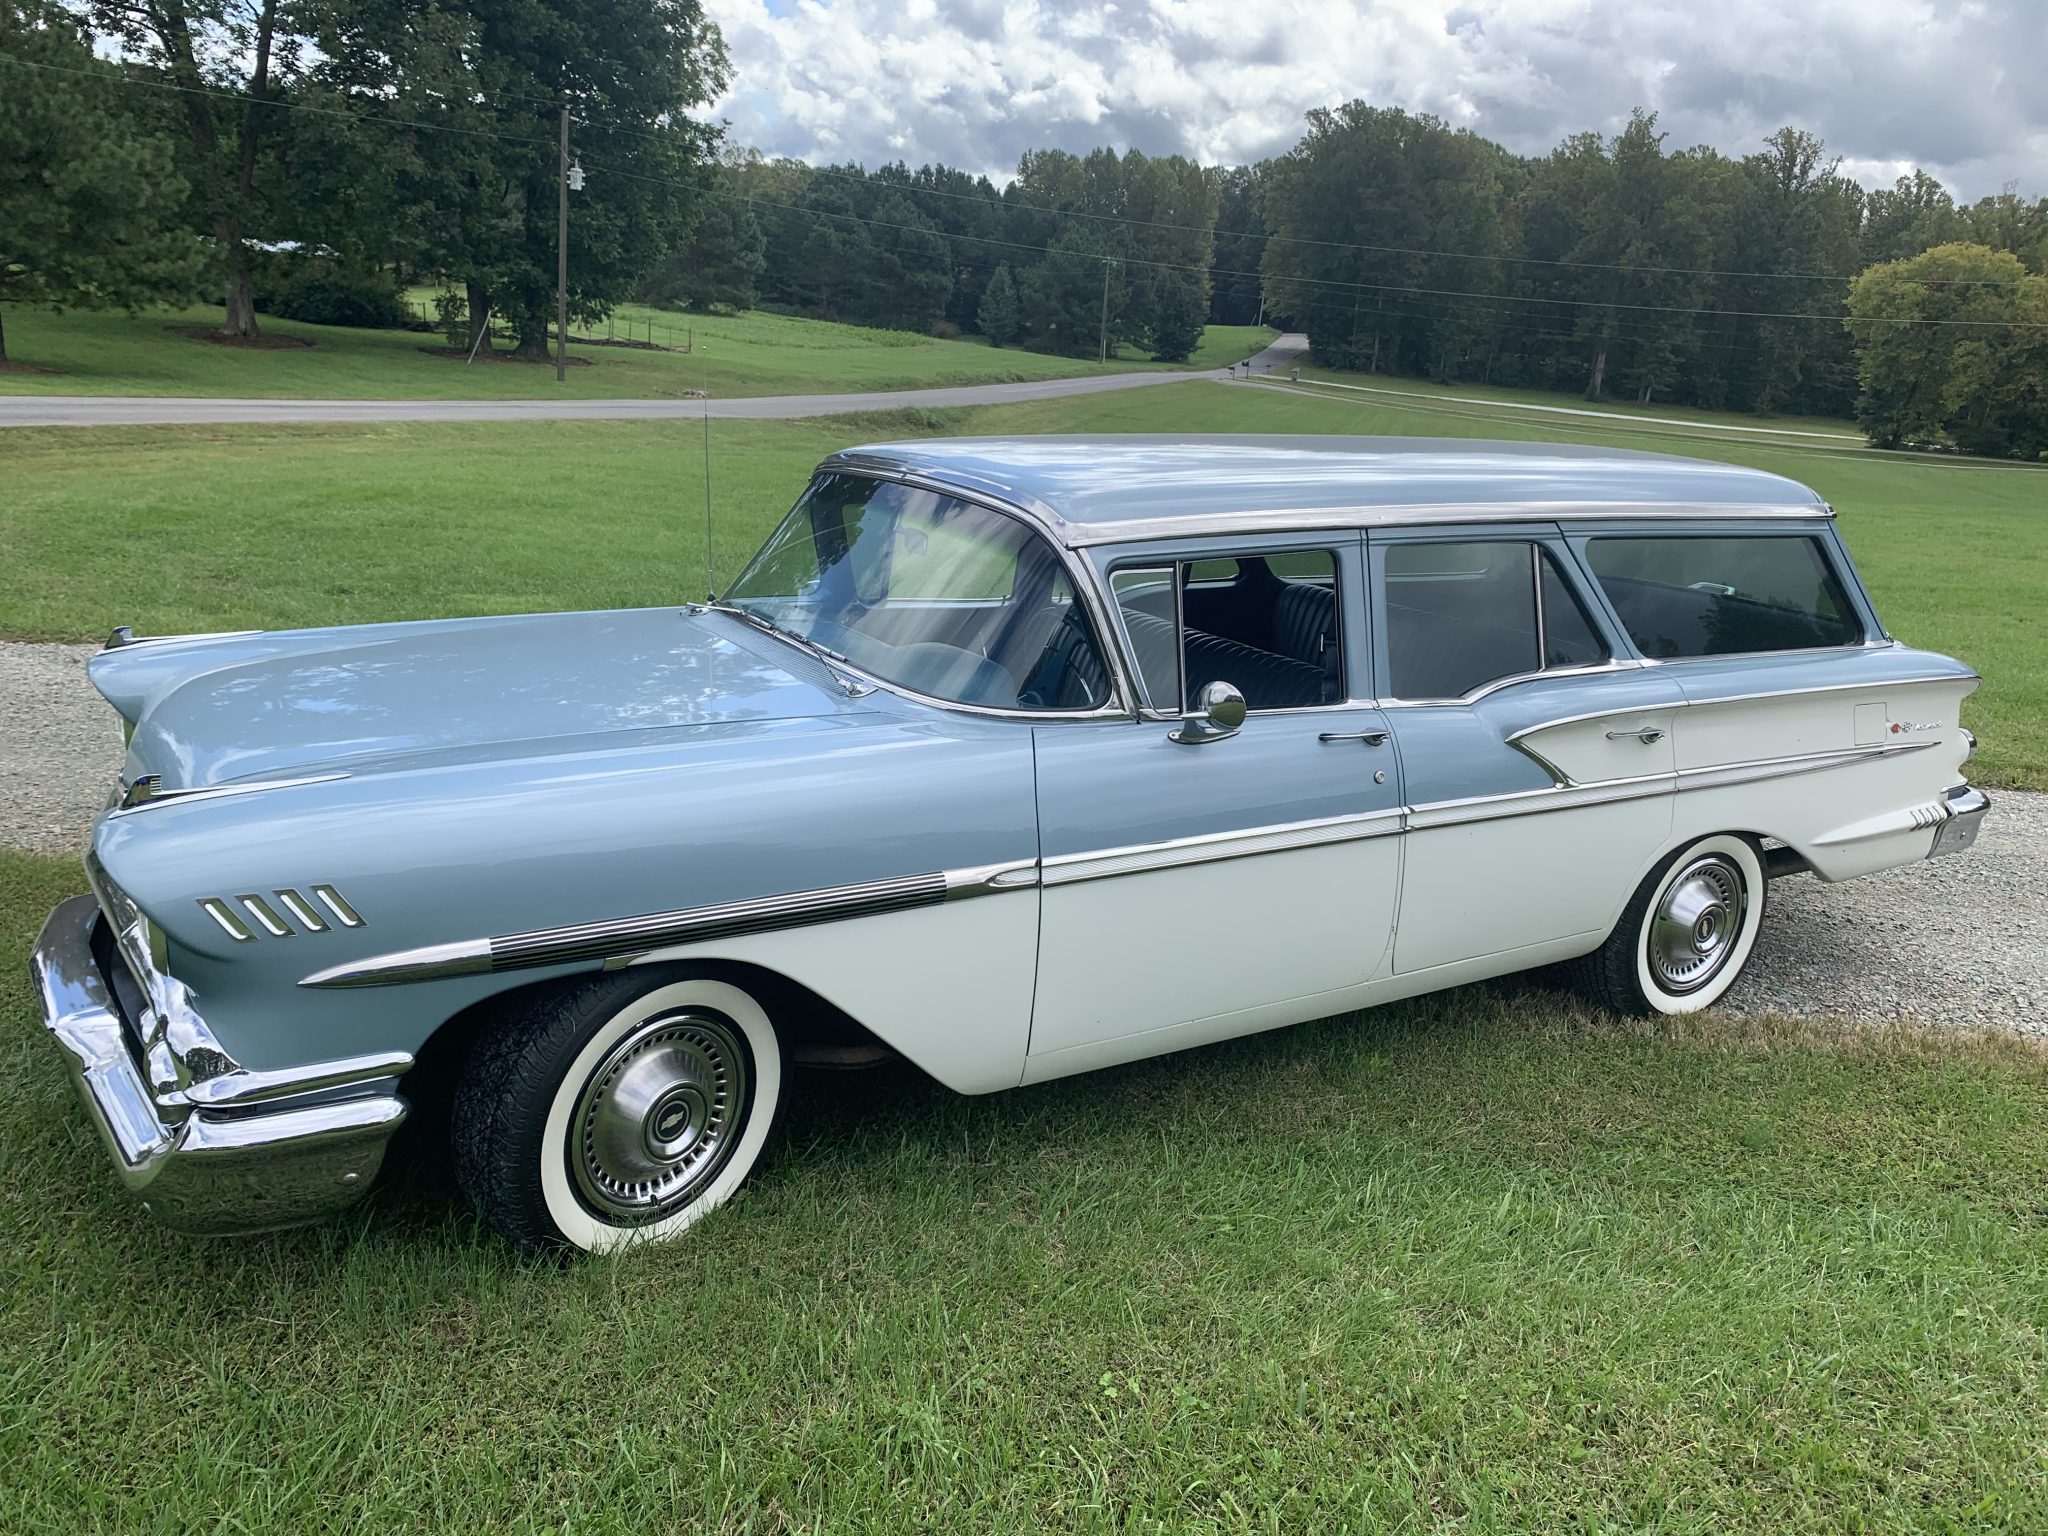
(321, 291)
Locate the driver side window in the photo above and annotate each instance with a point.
(1267, 624)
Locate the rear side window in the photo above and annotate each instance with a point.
(1686, 595)
(1462, 615)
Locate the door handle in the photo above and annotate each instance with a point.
(1648, 735)
(1370, 738)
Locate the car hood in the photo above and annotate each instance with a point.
(213, 710)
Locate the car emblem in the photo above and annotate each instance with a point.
(1899, 726)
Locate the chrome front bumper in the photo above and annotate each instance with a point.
(205, 1171)
(1966, 806)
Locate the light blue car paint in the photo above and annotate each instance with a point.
(469, 778)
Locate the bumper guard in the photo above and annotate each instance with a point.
(207, 1171)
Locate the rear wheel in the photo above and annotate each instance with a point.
(1685, 935)
(617, 1110)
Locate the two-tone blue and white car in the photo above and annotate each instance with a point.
(1013, 758)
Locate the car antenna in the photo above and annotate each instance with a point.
(709, 594)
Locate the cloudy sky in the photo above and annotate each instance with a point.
(1957, 86)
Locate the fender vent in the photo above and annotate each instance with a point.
(284, 912)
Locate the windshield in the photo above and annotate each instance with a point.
(929, 592)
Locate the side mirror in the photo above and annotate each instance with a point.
(1218, 712)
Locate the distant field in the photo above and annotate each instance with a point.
(754, 354)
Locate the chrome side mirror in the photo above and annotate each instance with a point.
(1218, 712)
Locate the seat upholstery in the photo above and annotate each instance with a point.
(1305, 622)
(1266, 679)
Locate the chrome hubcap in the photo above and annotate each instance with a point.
(1696, 923)
(660, 1116)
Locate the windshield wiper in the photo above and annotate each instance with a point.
(855, 687)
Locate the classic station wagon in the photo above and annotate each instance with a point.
(1013, 758)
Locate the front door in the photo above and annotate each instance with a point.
(1197, 889)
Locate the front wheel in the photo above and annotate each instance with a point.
(1685, 935)
(617, 1110)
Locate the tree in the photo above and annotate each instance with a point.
(719, 261)
(1061, 298)
(997, 315)
(1952, 348)
(227, 59)
(909, 275)
(90, 201)
(486, 80)
(1240, 241)
(1177, 315)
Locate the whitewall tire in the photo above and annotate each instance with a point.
(1685, 935)
(618, 1110)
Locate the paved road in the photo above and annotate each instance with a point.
(1960, 941)
(169, 410)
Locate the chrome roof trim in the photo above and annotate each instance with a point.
(1421, 515)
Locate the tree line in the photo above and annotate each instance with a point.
(308, 156)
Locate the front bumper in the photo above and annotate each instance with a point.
(206, 1170)
(1966, 805)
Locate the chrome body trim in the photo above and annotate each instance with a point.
(136, 798)
(125, 636)
(302, 909)
(1541, 674)
(615, 941)
(204, 1170)
(1139, 858)
(618, 941)
(334, 902)
(230, 924)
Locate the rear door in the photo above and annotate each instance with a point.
(1193, 891)
(1538, 766)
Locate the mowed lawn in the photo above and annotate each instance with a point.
(233, 527)
(1483, 1263)
(751, 354)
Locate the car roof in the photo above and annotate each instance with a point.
(1109, 489)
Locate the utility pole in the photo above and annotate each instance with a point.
(1103, 350)
(562, 259)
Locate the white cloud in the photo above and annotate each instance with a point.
(1952, 85)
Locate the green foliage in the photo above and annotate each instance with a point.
(322, 290)
(225, 63)
(90, 197)
(1953, 352)
(1177, 313)
(718, 263)
(489, 80)
(1073, 298)
(998, 315)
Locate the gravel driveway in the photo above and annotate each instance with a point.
(1954, 941)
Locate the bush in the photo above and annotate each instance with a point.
(324, 292)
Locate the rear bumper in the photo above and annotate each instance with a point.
(206, 1171)
(1966, 805)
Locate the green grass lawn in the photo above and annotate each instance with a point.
(1483, 1263)
(753, 354)
(232, 527)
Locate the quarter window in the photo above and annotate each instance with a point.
(1462, 614)
(1686, 595)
